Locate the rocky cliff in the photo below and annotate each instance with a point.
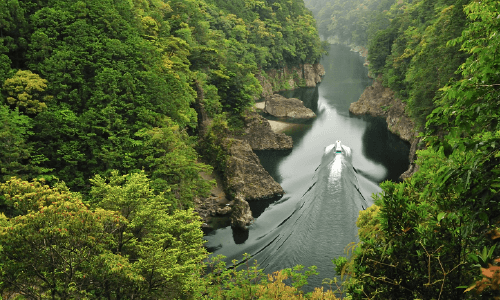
(260, 135)
(245, 176)
(289, 78)
(379, 101)
(244, 179)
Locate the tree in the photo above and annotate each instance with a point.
(56, 247)
(250, 282)
(129, 244)
(25, 90)
(172, 163)
(433, 231)
(163, 245)
(17, 156)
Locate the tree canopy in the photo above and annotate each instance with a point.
(103, 82)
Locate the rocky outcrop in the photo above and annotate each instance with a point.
(215, 205)
(245, 176)
(260, 135)
(267, 87)
(241, 215)
(280, 106)
(412, 156)
(289, 78)
(379, 101)
(312, 74)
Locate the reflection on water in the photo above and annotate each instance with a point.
(315, 220)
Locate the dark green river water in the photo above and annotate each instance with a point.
(315, 220)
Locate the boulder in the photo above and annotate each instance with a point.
(206, 209)
(224, 210)
(241, 215)
(280, 106)
(260, 135)
(244, 174)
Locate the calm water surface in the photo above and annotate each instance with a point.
(315, 220)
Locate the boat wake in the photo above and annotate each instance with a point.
(324, 222)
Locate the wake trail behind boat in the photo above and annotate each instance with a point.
(324, 223)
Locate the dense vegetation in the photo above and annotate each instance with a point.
(99, 135)
(94, 84)
(414, 55)
(98, 132)
(435, 236)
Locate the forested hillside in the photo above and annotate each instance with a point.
(91, 85)
(98, 131)
(100, 153)
(435, 235)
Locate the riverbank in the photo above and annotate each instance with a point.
(379, 101)
(245, 179)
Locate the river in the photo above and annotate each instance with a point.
(315, 220)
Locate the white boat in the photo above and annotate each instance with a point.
(338, 148)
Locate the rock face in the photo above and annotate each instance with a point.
(245, 176)
(379, 101)
(260, 136)
(280, 106)
(215, 205)
(289, 78)
(312, 74)
(206, 208)
(412, 156)
(241, 215)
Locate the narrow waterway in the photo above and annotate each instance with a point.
(324, 190)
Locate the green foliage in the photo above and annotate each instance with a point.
(16, 154)
(130, 244)
(25, 90)
(115, 69)
(249, 282)
(413, 52)
(435, 230)
(164, 246)
(212, 145)
(90, 87)
(172, 162)
(475, 94)
(57, 247)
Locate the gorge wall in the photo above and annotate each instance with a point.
(244, 178)
(289, 78)
(380, 101)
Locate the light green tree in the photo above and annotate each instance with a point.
(53, 246)
(164, 245)
(26, 91)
